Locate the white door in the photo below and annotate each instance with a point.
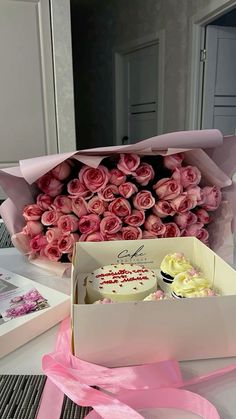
(27, 101)
(139, 107)
(219, 93)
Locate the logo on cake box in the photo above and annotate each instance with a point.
(138, 332)
(134, 255)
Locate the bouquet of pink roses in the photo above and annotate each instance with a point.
(164, 186)
(127, 197)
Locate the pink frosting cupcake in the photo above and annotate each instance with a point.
(104, 301)
(155, 296)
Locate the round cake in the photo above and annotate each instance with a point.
(121, 282)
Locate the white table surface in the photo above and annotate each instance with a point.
(27, 359)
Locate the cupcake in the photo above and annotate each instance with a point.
(172, 265)
(190, 284)
(154, 296)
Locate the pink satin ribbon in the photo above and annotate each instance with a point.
(122, 391)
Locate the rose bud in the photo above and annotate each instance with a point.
(128, 163)
(94, 179)
(144, 174)
(49, 185)
(173, 161)
(167, 189)
(62, 171)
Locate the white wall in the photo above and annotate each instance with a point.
(106, 24)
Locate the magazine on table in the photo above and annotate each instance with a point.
(27, 308)
(18, 300)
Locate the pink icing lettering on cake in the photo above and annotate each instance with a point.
(126, 282)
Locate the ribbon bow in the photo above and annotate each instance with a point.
(122, 391)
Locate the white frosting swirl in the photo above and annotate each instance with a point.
(175, 263)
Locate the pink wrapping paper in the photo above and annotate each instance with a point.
(122, 391)
(224, 157)
(18, 181)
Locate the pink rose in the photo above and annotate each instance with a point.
(108, 193)
(144, 200)
(68, 223)
(135, 219)
(127, 189)
(120, 207)
(212, 198)
(187, 176)
(172, 230)
(63, 203)
(196, 194)
(197, 230)
(192, 230)
(33, 228)
(110, 224)
(94, 179)
(107, 213)
(93, 237)
(44, 201)
(32, 212)
(117, 177)
(50, 217)
(203, 216)
(185, 219)
(49, 185)
(128, 163)
(53, 234)
(131, 233)
(89, 223)
(66, 243)
(167, 189)
(148, 235)
(52, 252)
(182, 203)
(173, 161)
(33, 295)
(163, 209)
(79, 206)
(62, 171)
(96, 205)
(114, 237)
(153, 224)
(144, 174)
(191, 218)
(203, 235)
(77, 188)
(21, 310)
(37, 243)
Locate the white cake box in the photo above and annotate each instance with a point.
(18, 331)
(122, 334)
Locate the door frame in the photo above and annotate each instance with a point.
(198, 22)
(61, 44)
(119, 53)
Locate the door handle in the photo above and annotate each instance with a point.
(124, 140)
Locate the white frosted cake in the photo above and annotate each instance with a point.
(122, 282)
